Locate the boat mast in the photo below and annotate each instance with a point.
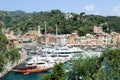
(56, 33)
(36, 35)
(56, 39)
(45, 39)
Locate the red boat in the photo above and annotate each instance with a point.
(30, 69)
(33, 67)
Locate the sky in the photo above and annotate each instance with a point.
(97, 7)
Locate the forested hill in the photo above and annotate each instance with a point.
(66, 22)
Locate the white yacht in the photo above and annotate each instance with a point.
(61, 50)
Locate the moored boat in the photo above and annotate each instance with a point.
(30, 69)
(34, 67)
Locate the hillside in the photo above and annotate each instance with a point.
(67, 22)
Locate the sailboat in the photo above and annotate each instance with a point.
(33, 68)
(35, 65)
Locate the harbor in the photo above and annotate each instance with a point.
(60, 40)
(52, 59)
(40, 57)
(33, 76)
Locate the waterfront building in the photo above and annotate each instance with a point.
(31, 34)
(83, 41)
(94, 41)
(72, 39)
(99, 38)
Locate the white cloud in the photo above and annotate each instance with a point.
(89, 7)
(116, 10)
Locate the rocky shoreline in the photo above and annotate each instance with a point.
(9, 66)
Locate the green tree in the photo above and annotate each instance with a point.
(58, 73)
(107, 67)
(7, 55)
(3, 61)
(14, 55)
(111, 64)
(3, 41)
(84, 67)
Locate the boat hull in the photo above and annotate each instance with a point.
(32, 70)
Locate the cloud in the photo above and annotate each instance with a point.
(89, 7)
(116, 10)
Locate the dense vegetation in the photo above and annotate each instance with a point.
(7, 55)
(58, 73)
(107, 67)
(80, 23)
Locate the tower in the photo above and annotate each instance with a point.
(39, 31)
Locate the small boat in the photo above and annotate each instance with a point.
(31, 69)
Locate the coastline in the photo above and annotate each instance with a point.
(10, 66)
